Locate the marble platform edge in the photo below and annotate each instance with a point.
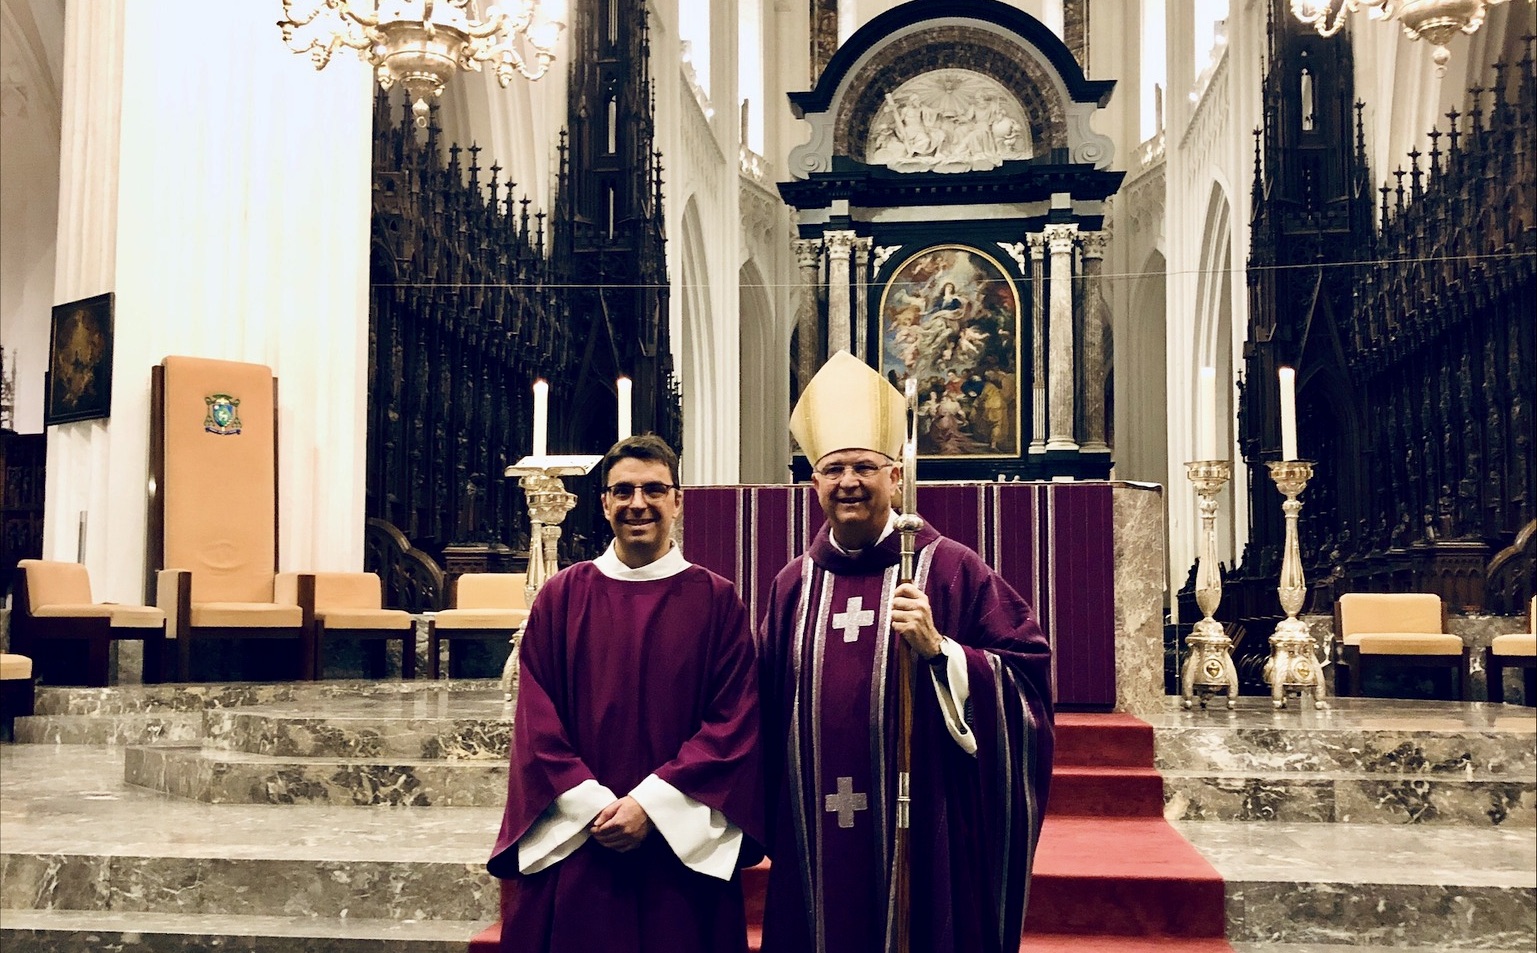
(1269, 947)
(223, 929)
(288, 887)
(1451, 917)
(215, 777)
(1193, 796)
(197, 696)
(466, 736)
(128, 728)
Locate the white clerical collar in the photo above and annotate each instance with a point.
(891, 525)
(669, 564)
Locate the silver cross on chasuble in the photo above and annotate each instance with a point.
(846, 802)
(853, 618)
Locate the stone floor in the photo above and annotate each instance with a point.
(349, 816)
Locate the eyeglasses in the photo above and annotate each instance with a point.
(863, 471)
(624, 492)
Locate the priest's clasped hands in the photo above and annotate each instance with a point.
(912, 619)
(621, 826)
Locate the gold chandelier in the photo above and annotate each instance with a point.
(1437, 21)
(419, 43)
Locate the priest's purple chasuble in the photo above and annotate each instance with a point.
(828, 668)
(621, 680)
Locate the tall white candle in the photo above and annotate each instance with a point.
(623, 388)
(1207, 418)
(1288, 413)
(541, 416)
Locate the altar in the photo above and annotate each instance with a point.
(1087, 555)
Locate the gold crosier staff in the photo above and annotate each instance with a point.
(908, 524)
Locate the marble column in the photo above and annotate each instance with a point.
(808, 355)
(1096, 326)
(839, 246)
(861, 297)
(1059, 363)
(1037, 241)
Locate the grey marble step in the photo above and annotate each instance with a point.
(117, 699)
(1369, 885)
(232, 777)
(71, 931)
(1356, 797)
(465, 726)
(1418, 739)
(129, 728)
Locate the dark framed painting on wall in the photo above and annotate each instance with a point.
(79, 385)
(949, 317)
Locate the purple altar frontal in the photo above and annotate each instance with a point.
(1053, 542)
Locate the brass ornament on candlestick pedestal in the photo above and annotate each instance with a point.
(1293, 667)
(1209, 660)
(548, 503)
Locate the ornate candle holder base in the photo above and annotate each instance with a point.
(548, 504)
(1293, 667)
(1208, 666)
(1209, 659)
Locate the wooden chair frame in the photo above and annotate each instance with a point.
(1351, 666)
(317, 628)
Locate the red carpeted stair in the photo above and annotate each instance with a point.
(1111, 875)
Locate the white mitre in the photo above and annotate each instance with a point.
(849, 406)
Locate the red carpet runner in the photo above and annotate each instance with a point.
(1111, 875)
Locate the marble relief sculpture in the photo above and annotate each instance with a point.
(949, 120)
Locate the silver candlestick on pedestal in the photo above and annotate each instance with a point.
(1209, 660)
(1293, 667)
(548, 504)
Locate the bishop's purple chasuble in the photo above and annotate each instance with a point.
(622, 679)
(828, 667)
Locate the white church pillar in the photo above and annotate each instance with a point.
(1037, 242)
(230, 221)
(840, 244)
(1060, 361)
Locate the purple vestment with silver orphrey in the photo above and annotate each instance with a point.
(828, 668)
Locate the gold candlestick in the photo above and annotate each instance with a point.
(1209, 660)
(548, 504)
(1293, 667)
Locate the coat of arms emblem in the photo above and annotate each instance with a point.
(223, 414)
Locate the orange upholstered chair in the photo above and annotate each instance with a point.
(53, 604)
(1518, 650)
(488, 607)
(213, 509)
(348, 605)
(16, 691)
(1384, 631)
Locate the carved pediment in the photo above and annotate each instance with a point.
(949, 120)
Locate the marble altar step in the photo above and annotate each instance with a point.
(1361, 761)
(231, 777)
(82, 849)
(68, 931)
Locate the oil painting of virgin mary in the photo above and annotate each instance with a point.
(950, 320)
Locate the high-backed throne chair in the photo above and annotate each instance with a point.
(213, 511)
(1517, 650)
